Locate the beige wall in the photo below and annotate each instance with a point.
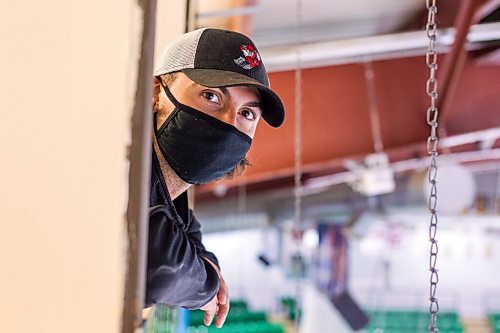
(170, 22)
(67, 87)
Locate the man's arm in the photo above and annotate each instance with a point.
(194, 233)
(177, 274)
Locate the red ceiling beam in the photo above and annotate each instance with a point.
(469, 13)
(455, 60)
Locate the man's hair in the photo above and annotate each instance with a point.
(168, 78)
(238, 170)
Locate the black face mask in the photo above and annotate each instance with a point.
(198, 147)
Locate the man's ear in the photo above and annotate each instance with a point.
(156, 94)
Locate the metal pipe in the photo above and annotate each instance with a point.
(378, 143)
(486, 9)
(381, 47)
(320, 184)
(479, 136)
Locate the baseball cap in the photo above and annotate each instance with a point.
(221, 58)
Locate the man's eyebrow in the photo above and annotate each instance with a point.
(224, 91)
(256, 104)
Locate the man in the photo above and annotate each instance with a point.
(210, 91)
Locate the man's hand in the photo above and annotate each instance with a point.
(219, 304)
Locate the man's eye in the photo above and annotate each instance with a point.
(211, 97)
(248, 114)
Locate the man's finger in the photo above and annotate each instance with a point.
(210, 311)
(209, 316)
(222, 314)
(222, 294)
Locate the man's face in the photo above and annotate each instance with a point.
(239, 106)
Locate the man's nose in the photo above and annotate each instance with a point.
(228, 116)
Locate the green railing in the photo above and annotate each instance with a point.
(398, 321)
(495, 322)
(239, 320)
(163, 320)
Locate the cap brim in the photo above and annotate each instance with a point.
(273, 111)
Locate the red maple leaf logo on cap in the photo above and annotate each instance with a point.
(251, 57)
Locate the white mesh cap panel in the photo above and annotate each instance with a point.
(180, 54)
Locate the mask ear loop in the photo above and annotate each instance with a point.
(169, 93)
(155, 123)
(172, 99)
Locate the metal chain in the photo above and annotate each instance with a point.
(432, 149)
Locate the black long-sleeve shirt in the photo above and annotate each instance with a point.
(177, 274)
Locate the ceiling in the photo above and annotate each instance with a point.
(285, 22)
(336, 105)
(321, 20)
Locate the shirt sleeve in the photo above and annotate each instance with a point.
(176, 273)
(194, 233)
